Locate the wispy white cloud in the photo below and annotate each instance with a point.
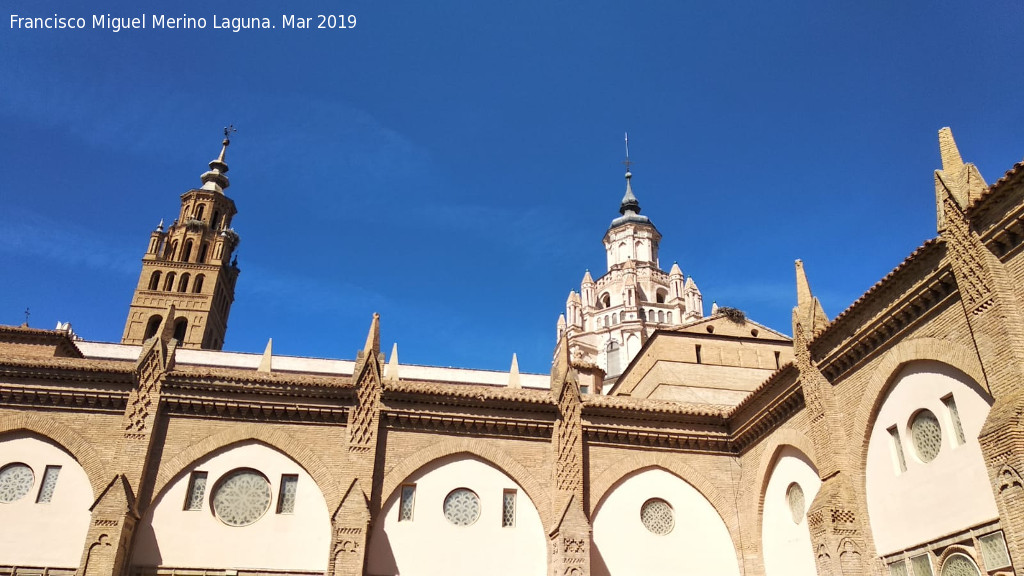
(26, 233)
(274, 287)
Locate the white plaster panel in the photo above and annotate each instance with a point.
(430, 545)
(50, 534)
(173, 537)
(944, 496)
(786, 545)
(699, 543)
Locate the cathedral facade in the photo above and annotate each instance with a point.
(886, 441)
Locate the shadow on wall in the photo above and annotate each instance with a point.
(384, 557)
(597, 565)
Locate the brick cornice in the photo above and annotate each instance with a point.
(78, 399)
(933, 292)
(467, 423)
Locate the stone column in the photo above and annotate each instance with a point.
(570, 536)
(351, 521)
(836, 516)
(115, 513)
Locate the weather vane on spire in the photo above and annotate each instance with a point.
(228, 130)
(627, 161)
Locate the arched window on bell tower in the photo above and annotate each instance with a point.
(186, 252)
(183, 283)
(180, 327)
(202, 252)
(199, 211)
(154, 280)
(152, 326)
(169, 282)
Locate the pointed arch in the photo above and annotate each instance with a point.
(498, 458)
(61, 434)
(603, 484)
(276, 439)
(892, 362)
(780, 546)
(770, 455)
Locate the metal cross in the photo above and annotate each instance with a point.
(27, 314)
(627, 161)
(228, 130)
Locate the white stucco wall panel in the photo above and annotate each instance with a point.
(699, 542)
(786, 545)
(44, 534)
(173, 537)
(949, 493)
(429, 545)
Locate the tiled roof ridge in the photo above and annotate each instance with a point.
(481, 392)
(655, 406)
(1006, 180)
(63, 363)
(257, 377)
(914, 256)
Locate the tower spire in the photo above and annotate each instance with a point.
(629, 201)
(216, 178)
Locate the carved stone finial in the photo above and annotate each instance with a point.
(268, 355)
(391, 372)
(513, 373)
(808, 312)
(373, 338)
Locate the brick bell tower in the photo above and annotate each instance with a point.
(187, 270)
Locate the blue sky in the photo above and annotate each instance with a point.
(454, 165)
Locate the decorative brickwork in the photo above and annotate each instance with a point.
(136, 422)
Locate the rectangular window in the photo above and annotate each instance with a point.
(508, 509)
(922, 565)
(897, 449)
(696, 349)
(898, 568)
(286, 497)
(954, 416)
(993, 551)
(49, 484)
(405, 508)
(196, 491)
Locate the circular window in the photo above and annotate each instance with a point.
(795, 498)
(656, 514)
(959, 565)
(241, 497)
(462, 507)
(16, 480)
(927, 435)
